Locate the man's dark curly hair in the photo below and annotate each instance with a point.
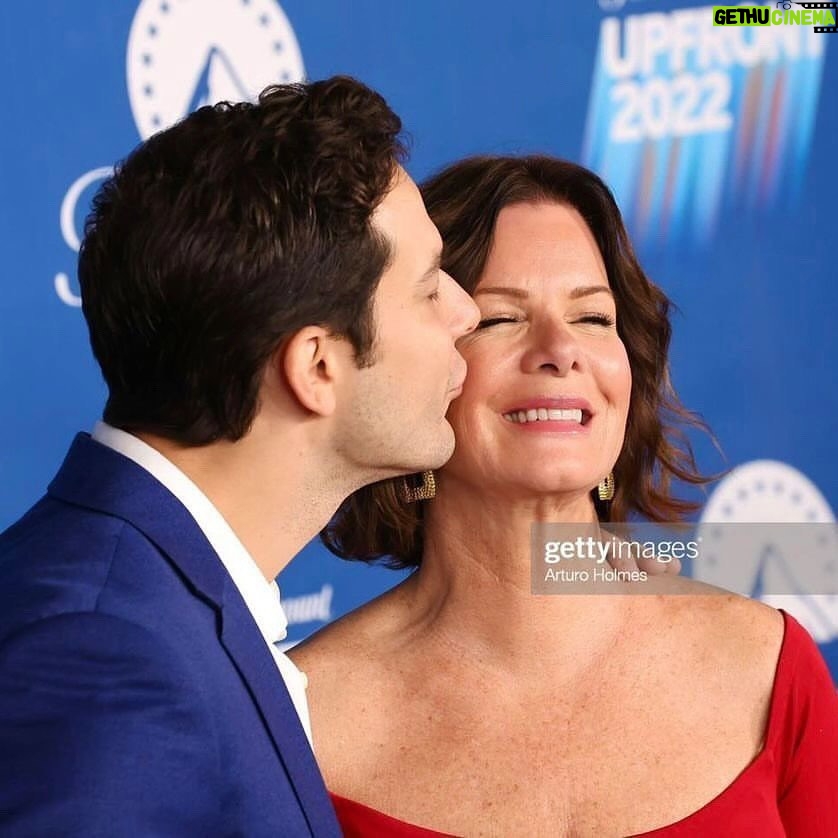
(220, 237)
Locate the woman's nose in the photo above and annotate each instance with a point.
(552, 348)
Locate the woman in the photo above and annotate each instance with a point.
(459, 702)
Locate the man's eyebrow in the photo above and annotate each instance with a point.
(521, 294)
(432, 271)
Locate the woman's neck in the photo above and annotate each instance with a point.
(474, 587)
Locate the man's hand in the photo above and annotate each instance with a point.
(654, 567)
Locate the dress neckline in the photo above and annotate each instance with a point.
(769, 738)
(395, 827)
(767, 750)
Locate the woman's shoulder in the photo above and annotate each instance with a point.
(737, 621)
(745, 636)
(708, 644)
(708, 609)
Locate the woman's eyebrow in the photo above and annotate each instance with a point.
(521, 294)
(587, 290)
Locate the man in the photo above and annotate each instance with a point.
(262, 289)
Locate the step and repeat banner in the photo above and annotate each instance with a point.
(717, 139)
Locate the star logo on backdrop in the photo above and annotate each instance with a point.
(183, 55)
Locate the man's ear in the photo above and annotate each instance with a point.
(312, 360)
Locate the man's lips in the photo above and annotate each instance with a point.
(457, 388)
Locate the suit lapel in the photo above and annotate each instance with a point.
(99, 478)
(246, 647)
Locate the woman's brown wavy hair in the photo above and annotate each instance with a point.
(464, 201)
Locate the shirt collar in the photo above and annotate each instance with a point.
(261, 597)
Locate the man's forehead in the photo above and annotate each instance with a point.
(400, 174)
(401, 215)
(402, 191)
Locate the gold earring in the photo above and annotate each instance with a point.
(605, 489)
(426, 491)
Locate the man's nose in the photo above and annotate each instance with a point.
(465, 315)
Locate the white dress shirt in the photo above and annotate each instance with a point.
(260, 596)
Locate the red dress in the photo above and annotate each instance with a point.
(790, 788)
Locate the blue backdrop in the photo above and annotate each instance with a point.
(717, 142)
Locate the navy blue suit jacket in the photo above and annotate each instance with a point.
(137, 695)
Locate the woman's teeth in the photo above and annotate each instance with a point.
(544, 415)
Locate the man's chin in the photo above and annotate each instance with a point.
(446, 450)
(438, 455)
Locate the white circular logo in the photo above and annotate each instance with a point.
(767, 491)
(797, 559)
(183, 54)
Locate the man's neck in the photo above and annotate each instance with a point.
(275, 498)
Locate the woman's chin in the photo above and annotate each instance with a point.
(561, 491)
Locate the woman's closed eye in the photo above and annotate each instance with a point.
(593, 318)
(492, 321)
(597, 319)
